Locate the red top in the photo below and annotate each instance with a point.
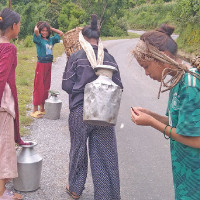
(8, 63)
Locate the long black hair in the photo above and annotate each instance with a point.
(7, 18)
(92, 31)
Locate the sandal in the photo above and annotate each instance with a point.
(9, 195)
(72, 194)
(42, 112)
(36, 114)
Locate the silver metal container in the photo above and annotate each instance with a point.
(53, 106)
(29, 164)
(102, 98)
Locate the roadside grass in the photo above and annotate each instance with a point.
(25, 73)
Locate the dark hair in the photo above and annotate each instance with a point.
(92, 31)
(8, 18)
(42, 25)
(161, 39)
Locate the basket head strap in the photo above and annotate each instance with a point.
(90, 51)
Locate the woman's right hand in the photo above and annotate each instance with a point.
(141, 116)
(144, 110)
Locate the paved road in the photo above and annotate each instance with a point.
(144, 159)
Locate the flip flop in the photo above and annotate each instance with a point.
(36, 114)
(42, 112)
(9, 195)
(72, 194)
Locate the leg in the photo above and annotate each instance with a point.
(78, 165)
(41, 107)
(8, 164)
(38, 91)
(104, 163)
(35, 108)
(47, 81)
(2, 186)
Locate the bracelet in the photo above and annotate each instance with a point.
(164, 132)
(170, 133)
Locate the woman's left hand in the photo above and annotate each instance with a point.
(140, 118)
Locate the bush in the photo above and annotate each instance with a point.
(149, 16)
(115, 28)
(189, 38)
(28, 41)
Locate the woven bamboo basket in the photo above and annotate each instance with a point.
(196, 62)
(71, 41)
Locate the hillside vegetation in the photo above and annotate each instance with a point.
(183, 14)
(115, 17)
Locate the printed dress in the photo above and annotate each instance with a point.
(184, 114)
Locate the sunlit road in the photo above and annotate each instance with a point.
(144, 154)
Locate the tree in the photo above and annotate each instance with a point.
(107, 12)
(70, 17)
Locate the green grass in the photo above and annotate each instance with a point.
(25, 73)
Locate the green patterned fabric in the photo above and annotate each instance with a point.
(184, 114)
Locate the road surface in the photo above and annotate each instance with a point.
(144, 155)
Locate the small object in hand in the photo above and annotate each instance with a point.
(133, 111)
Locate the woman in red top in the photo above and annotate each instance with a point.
(9, 123)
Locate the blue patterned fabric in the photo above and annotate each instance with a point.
(184, 114)
(103, 157)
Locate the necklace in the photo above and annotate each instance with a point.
(4, 39)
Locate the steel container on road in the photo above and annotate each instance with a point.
(29, 164)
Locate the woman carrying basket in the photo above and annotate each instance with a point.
(102, 140)
(156, 53)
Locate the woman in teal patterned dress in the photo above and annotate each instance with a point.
(156, 53)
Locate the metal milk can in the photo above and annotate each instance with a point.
(53, 106)
(29, 165)
(102, 98)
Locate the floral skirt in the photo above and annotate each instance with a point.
(8, 163)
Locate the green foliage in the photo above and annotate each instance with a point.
(70, 17)
(189, 39)
(115, 27)
(187, 11)
(149, 16)
(28, 41)
(109, 12)
(31, 13)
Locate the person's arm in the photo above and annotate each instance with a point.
(36, 31)
(141, 118)
(60, 33)
(6, 63)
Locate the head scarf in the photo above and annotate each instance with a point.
(147, 52)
